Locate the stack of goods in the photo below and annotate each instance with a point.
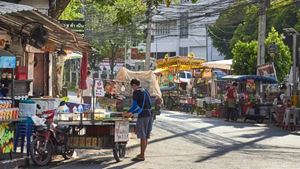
(7, 113)
(72, 111)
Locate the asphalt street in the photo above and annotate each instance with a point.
(182, 141)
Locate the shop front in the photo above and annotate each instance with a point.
(36, 43)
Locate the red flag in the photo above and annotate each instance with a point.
(83, 71)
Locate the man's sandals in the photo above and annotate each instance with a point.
(138, 158)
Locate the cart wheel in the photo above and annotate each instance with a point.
(119, 151)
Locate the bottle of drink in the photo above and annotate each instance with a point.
(80, 109)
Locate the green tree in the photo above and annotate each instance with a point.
(72, 11)
(245, 56)
(283, 60)
(222, 31)
(111, 25)
(240, 23)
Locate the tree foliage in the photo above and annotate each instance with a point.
(111, 23)
(109, 26)
(72, 11)
(245, 56)
(222, 31)
(240, 23)
(283, 60)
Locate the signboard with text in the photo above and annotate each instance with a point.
(99, 88)
(267, 70)
(121, 131)
(76, 26)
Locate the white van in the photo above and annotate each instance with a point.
(184, 77)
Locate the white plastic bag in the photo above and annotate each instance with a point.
(37, 121)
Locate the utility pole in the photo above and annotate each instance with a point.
(262, 32)
(148, 38)
(294, 61)
(206, 41)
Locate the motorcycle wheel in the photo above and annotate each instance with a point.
(119, 151)
(68, 153)
(39, 155)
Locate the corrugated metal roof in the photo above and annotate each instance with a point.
(6, 8)
(16, 15)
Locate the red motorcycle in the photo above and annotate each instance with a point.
(49, 140)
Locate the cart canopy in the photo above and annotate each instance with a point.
(147, 78)
(241, 78)
(220, 64)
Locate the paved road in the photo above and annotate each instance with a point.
(181, 141)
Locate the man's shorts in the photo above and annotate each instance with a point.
(144, 127)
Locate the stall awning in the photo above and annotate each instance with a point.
(241, 78)
(159, 70)
(72, 55)
(220, 64)
(14, 16)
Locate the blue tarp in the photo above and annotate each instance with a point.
(241, 78)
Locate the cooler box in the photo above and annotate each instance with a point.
(27, 108)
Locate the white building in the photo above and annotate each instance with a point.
(182, 29)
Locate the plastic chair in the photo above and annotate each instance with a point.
(23, 130)
(290, 119)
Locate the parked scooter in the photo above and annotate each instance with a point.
(50, 140)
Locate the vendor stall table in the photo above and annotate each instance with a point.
(105, 134)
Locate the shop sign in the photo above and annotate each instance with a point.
(76, 26)
(6, 139)
(8, 62)
(121, 131)
(99, 88)
(267, 70)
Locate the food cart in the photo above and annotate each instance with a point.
(175, 84)
(101, 125)
(99, 130)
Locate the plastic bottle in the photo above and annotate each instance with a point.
(80, 109)
(75, 109)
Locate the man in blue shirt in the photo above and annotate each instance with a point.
(141, 106)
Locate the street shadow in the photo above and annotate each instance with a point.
(200, 136)
(106, 166)
(181, 117)
(225, 149)
(220, 122)
(221, 145)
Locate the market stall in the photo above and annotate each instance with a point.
(101, 125)
(9, 114)
(176, 76)
(98, 129)
(253, 105)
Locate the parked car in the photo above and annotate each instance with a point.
(184, 77)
